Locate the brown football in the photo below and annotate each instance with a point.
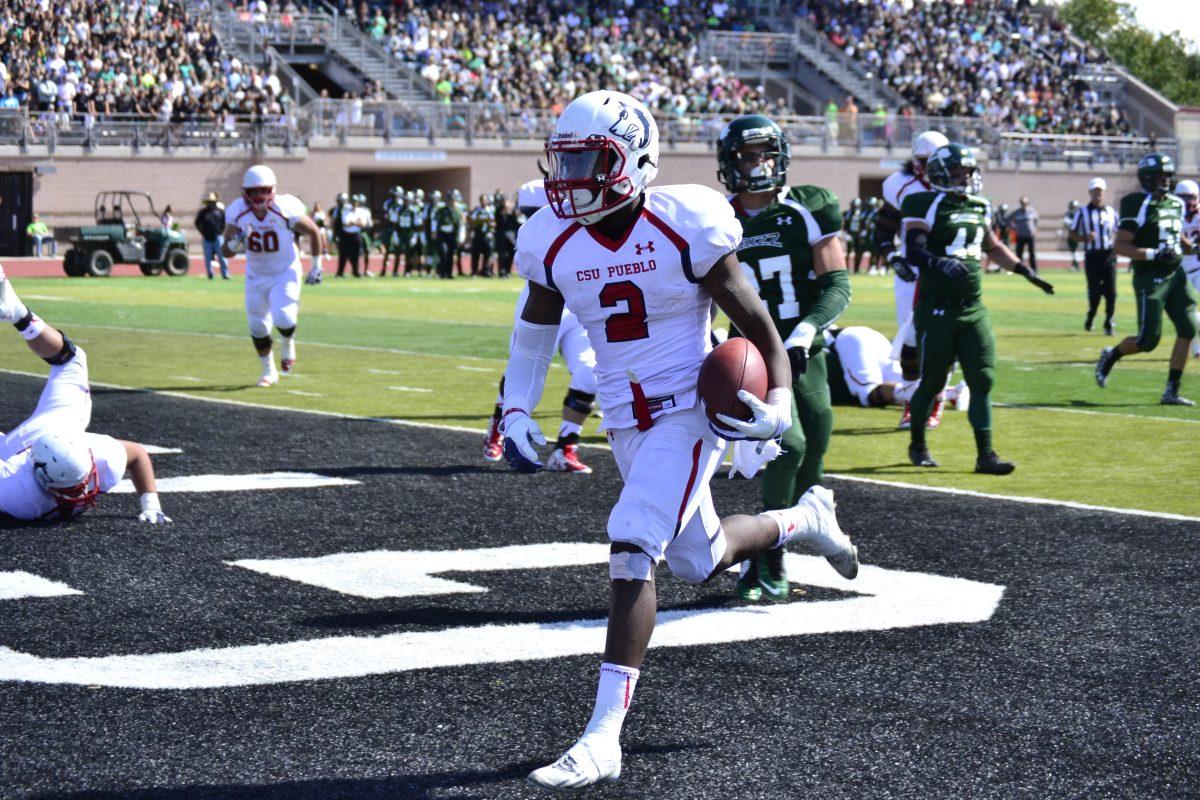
(733, 365)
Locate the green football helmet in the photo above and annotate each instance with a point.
(855, 204)
(953, 169)
(751, 129)
(1156, 173)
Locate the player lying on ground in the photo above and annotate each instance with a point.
(639, 267)
(265, 224)
(946, 232)
(50, 467)
(863, 372)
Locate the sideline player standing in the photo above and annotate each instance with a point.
(1068, 224)
(266, 223)
(51, 468)
(1151, 235)
(946, 232)
(640, 267)
(792, 254)
(1189, 193)
(896, 187)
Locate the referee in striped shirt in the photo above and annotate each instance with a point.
(1096, 226)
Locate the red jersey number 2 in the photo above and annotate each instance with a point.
(630, 324)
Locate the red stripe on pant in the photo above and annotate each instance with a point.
(687, 492)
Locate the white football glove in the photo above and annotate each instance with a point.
(770, 419)
(151, 510)
(749, 457)
(521, 435)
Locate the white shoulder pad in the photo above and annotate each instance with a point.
(532, 194)
(291, 207)
(891, 188)
(699, 217)
(539, 240)
(110, 459)
(234, 210)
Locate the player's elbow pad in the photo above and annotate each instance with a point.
(916, 251)
(525, 375)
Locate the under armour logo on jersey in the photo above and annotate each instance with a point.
(647, 247)
(783, 220)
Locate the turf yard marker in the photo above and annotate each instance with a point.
(473, 369)
(188, 378)
(239, 483)
(885, 599)
(411, 389)
(304, 394)
(17, 585)
(156, 450)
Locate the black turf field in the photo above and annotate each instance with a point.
(1083, 684)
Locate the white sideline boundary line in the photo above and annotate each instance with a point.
(1039, 501)
(1035, 407)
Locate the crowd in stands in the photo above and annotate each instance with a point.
(125, 57)
(973, 58)
(541, 54)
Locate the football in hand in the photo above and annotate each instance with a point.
(733, 365)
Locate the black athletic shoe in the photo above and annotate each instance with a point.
(1103, 367)
(990, 464)
(1171, 397)
(1087, 323)
(1109, 329)
(919, 456)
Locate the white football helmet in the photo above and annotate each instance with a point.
(257, 179)
(65, 467)
(602, 155)
(1189, 191)
(925, 145)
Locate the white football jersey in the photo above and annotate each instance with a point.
(270, 244)
(1191, 229)
(21, 496)
(898, 186)
(532, 194)
(639, 299)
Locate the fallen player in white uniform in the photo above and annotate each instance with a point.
(51, 468)
(861, 369)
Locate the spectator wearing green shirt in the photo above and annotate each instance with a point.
(38, 231)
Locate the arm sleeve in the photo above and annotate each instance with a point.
(1131, 206)
(525, 374)
(915, 251)
(833, 301)
(887, 225)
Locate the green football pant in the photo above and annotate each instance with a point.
(801, 464)
(1156, 294)
(945, 334)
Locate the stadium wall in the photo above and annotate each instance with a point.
(64, 196)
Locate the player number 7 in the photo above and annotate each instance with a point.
(779, 267)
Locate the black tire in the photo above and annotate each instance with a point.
(73, 263)
(99, 264)
(150, 269)
(177, 262)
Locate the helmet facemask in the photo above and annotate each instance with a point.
(71, 496)
(259, 198)
(587, 179)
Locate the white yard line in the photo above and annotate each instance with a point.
(304, 394)
(481, 429)
(1034, 407)
(474, 369)
(418, 389)
(188, 378)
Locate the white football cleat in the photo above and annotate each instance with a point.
(11, 307)
(828, 538)
(268, 379)
(587, 763)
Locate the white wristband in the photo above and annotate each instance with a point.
(802, 336)
(149, 502)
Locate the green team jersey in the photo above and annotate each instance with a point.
(1155, 222)
(854, 223)
(776, 251)
(957, 226)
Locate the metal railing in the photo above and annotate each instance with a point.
(1072, 150)
(52, 130)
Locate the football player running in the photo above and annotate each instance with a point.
(1189, 193)
(946, 232)
(792, 255)
(265, 225)
(1150, 234)
(909, 179)
(51, 468)
(640, 266)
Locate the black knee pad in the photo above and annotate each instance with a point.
(910, 362)
(261, 342)
(583, 402)
(287, 333)
(62, 356)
